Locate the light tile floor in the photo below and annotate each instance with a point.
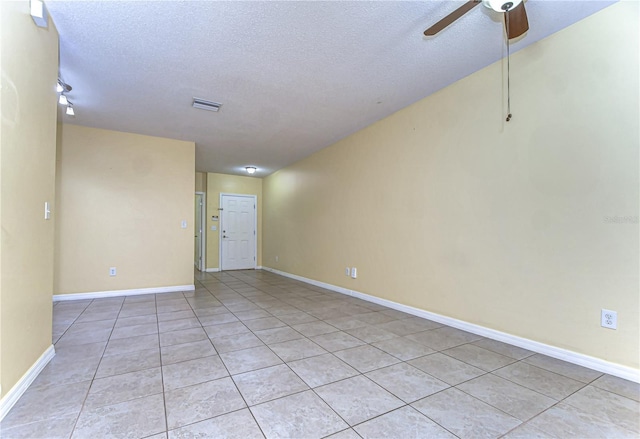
(252, 354)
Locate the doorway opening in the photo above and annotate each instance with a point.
(238, 231)
(199, 232)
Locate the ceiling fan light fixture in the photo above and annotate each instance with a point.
(63, 100)
(70, 111)
(251, 169)
(501, 5)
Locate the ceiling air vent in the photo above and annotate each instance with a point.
(206, 105)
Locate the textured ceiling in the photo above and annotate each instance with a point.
(293, 77)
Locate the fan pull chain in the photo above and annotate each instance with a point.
(508, 71)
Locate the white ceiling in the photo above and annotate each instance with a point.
(293, 77)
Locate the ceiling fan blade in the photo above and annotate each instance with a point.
(446, 21)
(518, 23)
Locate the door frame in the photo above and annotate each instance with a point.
(255, 222)
(203, 234)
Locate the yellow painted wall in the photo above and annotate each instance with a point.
(229, 184)
(121, 201)
(445, 207)
(29, 61)
(201, 182)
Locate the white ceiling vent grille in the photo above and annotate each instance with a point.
(206, 105)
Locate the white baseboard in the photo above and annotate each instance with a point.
(598, 364)
(212, 270)
(119, 293)
(14, 394)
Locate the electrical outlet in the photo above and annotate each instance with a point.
(112, 271)
(347, 271)
(609, 319)
(354, 272)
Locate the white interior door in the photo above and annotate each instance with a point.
(237, 232)
(198, 244)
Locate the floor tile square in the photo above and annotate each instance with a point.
(179, 324)
(202, 401)
(270, 383)
(406, 382)
(608, 406)
(321, 370)
(229, 343)
(503, 348)
(302, 415)
(134, 330)
(129, 362)
(371, 334)
(249, 359)
(405, 423)
(55, 428)
(509, 397)
(125, 387)
(540, 380)
(403, 348)
(366, 358)
(446, 368)
(176, 315)
(140, 417)
(314, 328)
(192, 372)
(278, 335)
(296, 349)
(337, 341)
(564, 368)
(47, 402)
(238, 424)
(226, 329)
(622, 387)
(443, 338)
(182, 336)
(264, 323)
(187, 351)
(358, 399)
(137, 320)
(479, 357)
(563, 420)
(131, 344)
(465, 416)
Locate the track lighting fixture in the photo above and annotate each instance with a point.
(70, 111)
(63, 100)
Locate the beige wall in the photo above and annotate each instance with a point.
(29, 61)
(445, 207)
(229, 184)
(201, 182)
(121, 201)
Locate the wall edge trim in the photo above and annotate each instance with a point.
(211, 270)
(119, 293)
(598, 364)
(14, 394)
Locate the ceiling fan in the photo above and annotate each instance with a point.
(515, 16)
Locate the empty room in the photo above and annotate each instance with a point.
(320, 219)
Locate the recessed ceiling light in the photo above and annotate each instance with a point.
(206, 105)
(251, 169)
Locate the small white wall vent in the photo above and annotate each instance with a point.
(206, 105)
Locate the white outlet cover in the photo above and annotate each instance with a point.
(354, 273)
(609, 319)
